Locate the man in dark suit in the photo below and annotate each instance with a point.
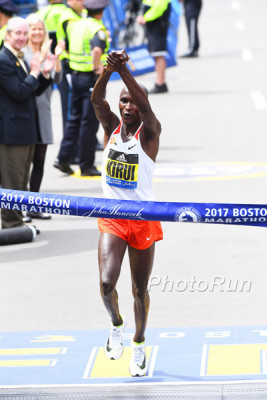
(19, 84)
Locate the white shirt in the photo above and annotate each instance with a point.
(127, 171)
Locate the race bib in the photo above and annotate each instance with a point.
(122, 169)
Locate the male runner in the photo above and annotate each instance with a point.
(131, 145)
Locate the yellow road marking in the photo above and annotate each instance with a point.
(33, 351)
(53, 338)
(105, 368)
(218, 177)
(77, 175)
(235, 359)
(27, 363)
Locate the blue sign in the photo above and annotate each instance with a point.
(125, 32)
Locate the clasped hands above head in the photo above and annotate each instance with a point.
(116, 59)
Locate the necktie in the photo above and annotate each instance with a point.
(20, 55)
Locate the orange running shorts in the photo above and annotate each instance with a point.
(138, 234)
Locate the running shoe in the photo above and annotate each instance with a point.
(114, 346)
(138, 365)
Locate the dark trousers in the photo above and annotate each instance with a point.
(192, 10)
(82, 125)
(37, 171)
(15, 165)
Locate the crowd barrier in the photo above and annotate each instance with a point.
(211, 213)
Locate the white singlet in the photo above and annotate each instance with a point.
(127, 171)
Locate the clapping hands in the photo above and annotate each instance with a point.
(36, 64)
(45, 49)
(49, 64)
(46, 58)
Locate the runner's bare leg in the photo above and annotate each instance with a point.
(141, 263)
(111, 250)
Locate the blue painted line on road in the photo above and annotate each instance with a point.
(176, 355)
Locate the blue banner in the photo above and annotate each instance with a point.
(120, 19)
(211, 213)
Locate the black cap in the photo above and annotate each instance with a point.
(8, 6)
(95, 4)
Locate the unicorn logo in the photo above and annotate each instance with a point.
(186, 217)
(187, 214)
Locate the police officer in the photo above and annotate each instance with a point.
(73, 12)
(192, 10)
(50, 15)
(7, 9)
(88, 47)
(156, 18)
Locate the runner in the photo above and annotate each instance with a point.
(131, 145)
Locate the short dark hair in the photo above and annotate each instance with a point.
(7, 13)
(95, 11)
(140, 85)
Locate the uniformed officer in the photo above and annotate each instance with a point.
(7, 9)
(50, 15)
(192, 10)
(73, 12)
(88, 47)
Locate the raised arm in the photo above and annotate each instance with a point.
(106, 117)
(138, 94)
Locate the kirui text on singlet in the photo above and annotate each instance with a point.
(122, 169)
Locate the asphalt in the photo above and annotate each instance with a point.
(213, 150)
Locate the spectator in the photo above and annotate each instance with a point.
(88, 46)
(7, 9)
(19, 84)
(156, 18)
(38, 42)
(192, 10)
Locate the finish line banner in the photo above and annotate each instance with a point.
(231, 214)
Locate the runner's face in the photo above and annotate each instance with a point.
(128, 110)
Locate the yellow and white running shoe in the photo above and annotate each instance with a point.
(138, 364)
(114, 346)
